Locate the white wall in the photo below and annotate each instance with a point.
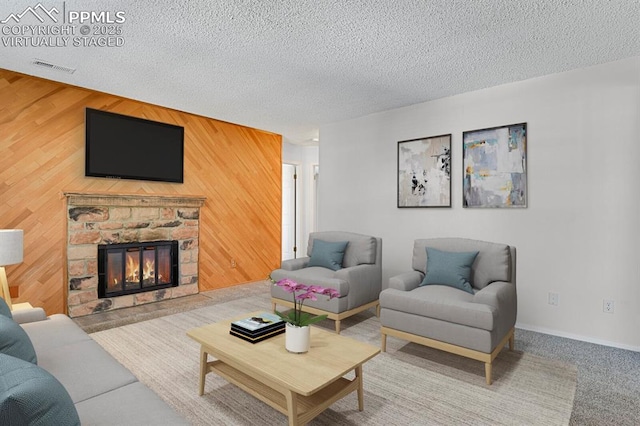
(579, 235)
(304, 157)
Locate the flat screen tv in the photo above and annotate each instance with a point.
(123, 147)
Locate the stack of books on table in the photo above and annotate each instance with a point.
(258, 328)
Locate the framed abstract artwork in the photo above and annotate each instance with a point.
(494, 167)
(424, 172)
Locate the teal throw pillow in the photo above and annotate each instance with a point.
(4, 309)
(327, 254)
(31, 396)
(15, 342)
(449, 268)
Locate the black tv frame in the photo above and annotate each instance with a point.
(90, 112)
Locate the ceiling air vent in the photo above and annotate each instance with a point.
(45, 64)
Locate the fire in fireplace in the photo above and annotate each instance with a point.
(136, 267)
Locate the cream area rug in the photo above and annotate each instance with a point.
(407, 385)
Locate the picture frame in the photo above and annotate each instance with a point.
(424, 172)
(494, 167)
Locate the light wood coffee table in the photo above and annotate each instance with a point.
(300, 386)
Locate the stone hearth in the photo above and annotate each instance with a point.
(94, 219)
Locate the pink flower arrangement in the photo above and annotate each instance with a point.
(306, 292)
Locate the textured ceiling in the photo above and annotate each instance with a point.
(289, 66)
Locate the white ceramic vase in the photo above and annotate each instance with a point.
(297, 339)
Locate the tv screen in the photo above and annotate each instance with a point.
(123, 147)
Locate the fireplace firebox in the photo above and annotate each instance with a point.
(136, 267)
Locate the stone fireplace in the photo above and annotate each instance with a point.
(151, 241)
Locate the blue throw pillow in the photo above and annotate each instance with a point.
(15, 342)
(4, 309)
(31, 396)
(328, 254)
(449, 268)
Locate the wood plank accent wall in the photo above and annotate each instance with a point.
(42, 132)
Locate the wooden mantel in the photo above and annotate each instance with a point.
(133, 200)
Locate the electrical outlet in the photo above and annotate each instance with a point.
(554, 299)
(233, 263)
(608, 306)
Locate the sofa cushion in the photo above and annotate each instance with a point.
(85, 369)
(328, 254)
(362, 249)
(54, 332)
(131, 405)
(493, 262)
(29, 395)
(449, 268)
(15, 342)
(442, 303)
(314, 275)
(4, 309)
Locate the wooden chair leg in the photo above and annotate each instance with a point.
(378, 310)
(337, 326)
(487, 372)
(511, 342)
(383, 342)
(273, 306)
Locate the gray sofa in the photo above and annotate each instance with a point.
(358, 278)
(103, 391)
(477, 322)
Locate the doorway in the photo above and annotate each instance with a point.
(289, 211)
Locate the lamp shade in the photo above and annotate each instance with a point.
(10, 246)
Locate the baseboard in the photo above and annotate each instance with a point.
(577, 337)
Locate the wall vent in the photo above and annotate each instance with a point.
(45, 64)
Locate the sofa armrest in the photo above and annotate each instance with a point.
(501, 296)
(498, 294)
(366, 274)
(407, 281)
(294, 264)
(24, 316)
(364, 283)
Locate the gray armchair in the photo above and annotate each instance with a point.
(475, 323)
(358, 277)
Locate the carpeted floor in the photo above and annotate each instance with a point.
(408, 385)
(608, 391)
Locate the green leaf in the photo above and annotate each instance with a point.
(308, 320)
(289, 317)
(304, 319)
